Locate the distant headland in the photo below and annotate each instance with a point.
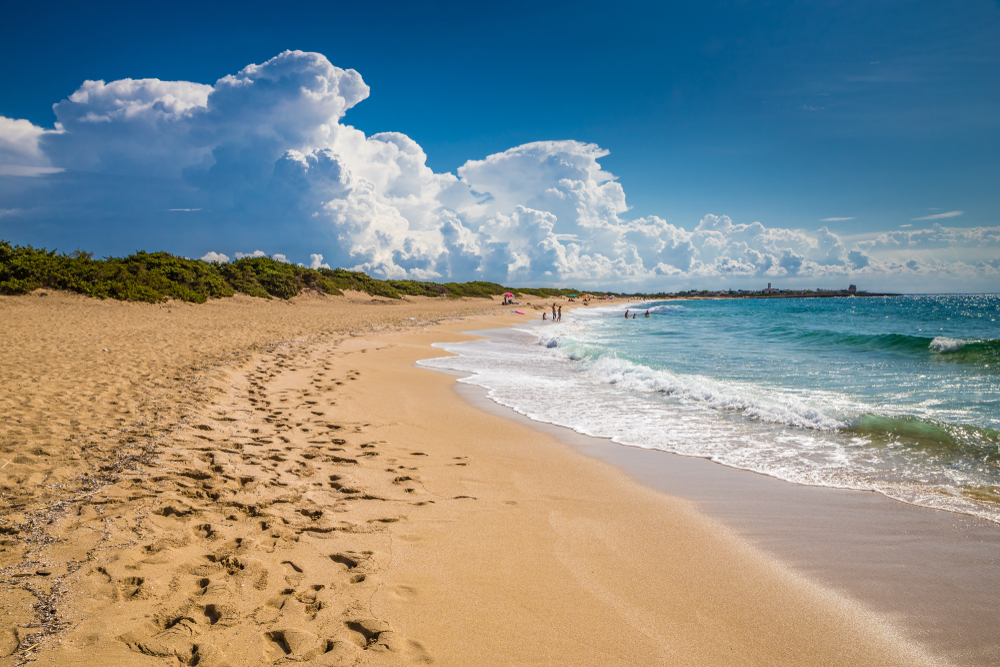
(773, 293)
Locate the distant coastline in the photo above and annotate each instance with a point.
(774, 293)
(783, 294)
(768, 293)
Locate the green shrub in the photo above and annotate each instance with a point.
(360, 282)
(547, 292)
(15, 286)
(139, 277)
(153, 277)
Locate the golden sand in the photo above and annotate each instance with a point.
(249, 482)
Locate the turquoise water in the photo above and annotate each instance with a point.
(899, 395)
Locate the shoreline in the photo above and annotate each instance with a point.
(324, 500)
(632, 554)
(931, 570)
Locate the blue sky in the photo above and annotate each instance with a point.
(787, 113)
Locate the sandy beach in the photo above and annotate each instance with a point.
(253, 482)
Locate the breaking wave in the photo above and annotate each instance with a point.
(751, 402)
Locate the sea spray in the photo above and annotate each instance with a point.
(945, 345)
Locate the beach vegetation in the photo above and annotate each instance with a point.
(547, 292)
(475, 289)
(143, 276)
(266, 278)
(154, 277)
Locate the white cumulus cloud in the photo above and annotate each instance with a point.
(265, 157)
(20, 153)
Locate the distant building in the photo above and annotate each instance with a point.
(853, 289)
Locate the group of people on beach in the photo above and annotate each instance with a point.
(557, 314)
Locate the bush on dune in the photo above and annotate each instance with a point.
(360, 282)
(475, 289)
(153, 277)
(266, 277)
(143, 276)
(547, 292)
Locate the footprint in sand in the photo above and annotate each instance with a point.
(298, 645)
(294, 573)
(355, 564)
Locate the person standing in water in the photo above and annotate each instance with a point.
(553, 312)
(560, 314)
(647, 313)
(626, 313)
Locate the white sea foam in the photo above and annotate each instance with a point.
(546, 339)
(717, 395)
(943, 345)
(665, 308)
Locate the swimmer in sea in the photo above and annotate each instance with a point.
(626, 314)
(647, 313)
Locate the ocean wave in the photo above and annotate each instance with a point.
(890, 342)
(962, 349)
(966, 350)
(944, 345)
(665, 309)
(548, 340)
(786, 410)
(942, 441)
(981, 444)
(618, 309)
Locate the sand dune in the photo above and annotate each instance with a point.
(249, 483)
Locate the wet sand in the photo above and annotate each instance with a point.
(934, 573)
(249, 482)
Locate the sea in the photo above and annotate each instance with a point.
(897, 395)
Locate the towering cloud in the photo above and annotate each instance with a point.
(20, 153)
(262, 158)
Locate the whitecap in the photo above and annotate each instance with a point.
(943, 345)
